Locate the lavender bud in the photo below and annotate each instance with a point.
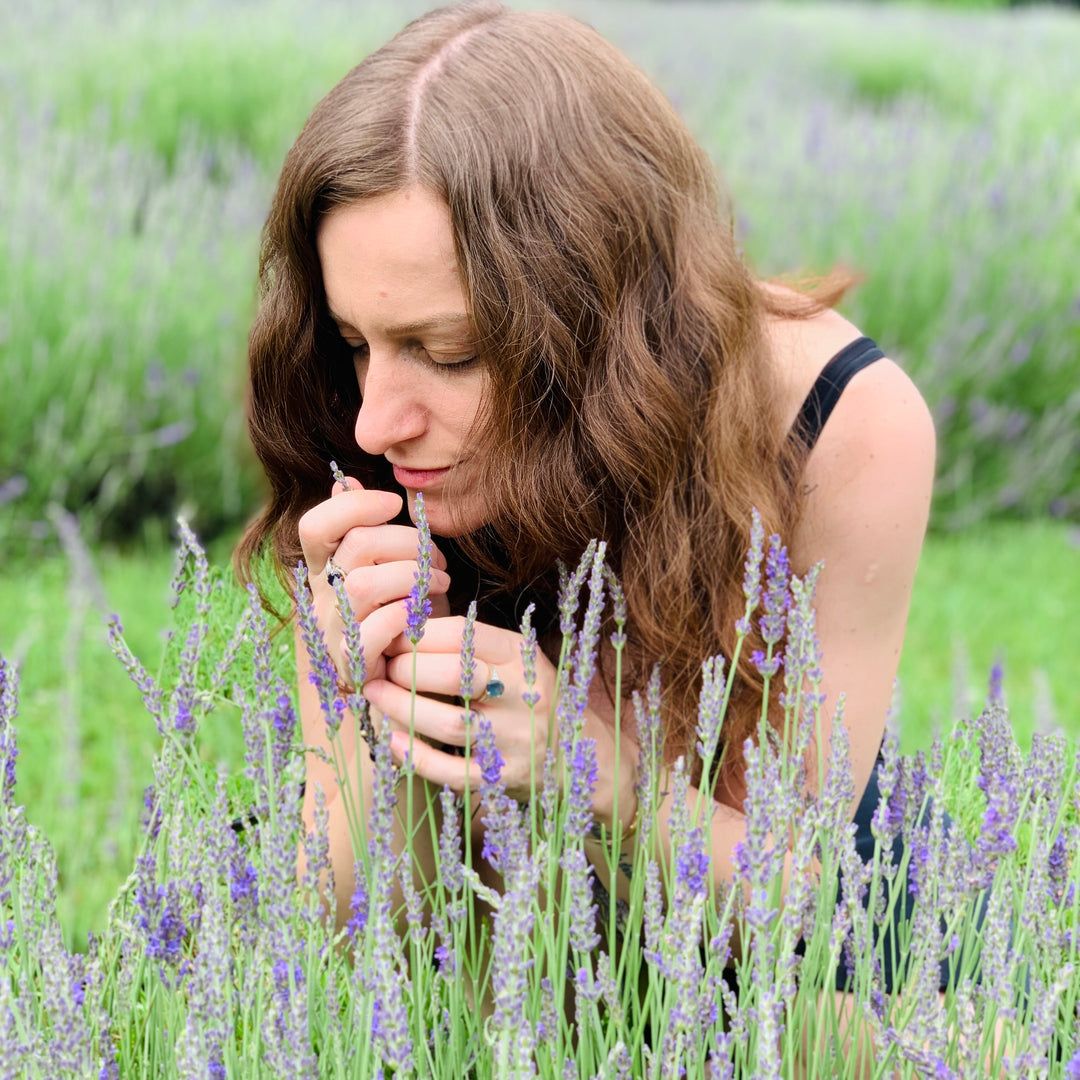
(339, 476)
(417, 603)
(752, 571)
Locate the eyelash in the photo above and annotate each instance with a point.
(456, 365)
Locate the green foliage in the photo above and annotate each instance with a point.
(213, 951)
(139, 151)
(87, 744)
(226, 79)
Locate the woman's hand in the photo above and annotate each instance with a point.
(522, 733)
(378, 560)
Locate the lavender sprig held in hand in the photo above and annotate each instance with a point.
(417, 602)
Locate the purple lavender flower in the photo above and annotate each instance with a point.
(548, 1024)
(570, 589)
(710, 707)
(802, 661)
(1046, 767)
(323, 675)
(384, 977)
(512, 947)
(339, 476)
(767, 666)
(110, 1066)
(417, 603)
(451, 868)
(777, 598)
(353, 646)
(468, 654)
(653, 914)
(618, 604)
(504, 842)
(752, 571)
(316, 845)
(584, 773)
(889, 813)
(650, 739)
(1072, 1068)
(529, 647)
(358, 903)
(9, 751)
(159, 915)
(209, 1023)
(680, 954)
(151, 692)
(581, 908)
(575, 696)
(1057, 863)
(995, 694)
(999, 782)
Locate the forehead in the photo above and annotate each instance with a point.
(390, 259)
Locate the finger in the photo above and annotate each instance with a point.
(434, 765)
(374, 545)
(436, 673)
(493, 644)
(380, 627)
(436, 721)
(323, 527)
(371, 587)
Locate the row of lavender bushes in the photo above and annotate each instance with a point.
(138, 150)
(215, 962)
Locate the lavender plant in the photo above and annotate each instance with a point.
(515, 960)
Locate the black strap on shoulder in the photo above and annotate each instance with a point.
(828, 387)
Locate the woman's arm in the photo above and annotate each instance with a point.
(868, 485)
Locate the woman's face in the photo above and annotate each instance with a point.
(394, 289)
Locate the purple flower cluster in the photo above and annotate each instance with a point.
(382, 975)
(417, 604)
(529, 647)
(752, 572)
(322, 675)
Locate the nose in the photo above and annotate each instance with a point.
(390, 411)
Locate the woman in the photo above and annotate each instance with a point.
(495, 271)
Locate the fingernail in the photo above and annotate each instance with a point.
(440, 578)
(390, 500)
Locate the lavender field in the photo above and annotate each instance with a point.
(932, 151)
(935, 151)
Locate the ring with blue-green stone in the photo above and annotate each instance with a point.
(493, 688)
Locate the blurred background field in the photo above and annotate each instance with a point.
(934, 149)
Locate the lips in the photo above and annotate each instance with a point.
(419, 479)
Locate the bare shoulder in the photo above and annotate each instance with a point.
(870, 477)
(874, 459)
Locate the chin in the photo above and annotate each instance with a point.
(446, 520)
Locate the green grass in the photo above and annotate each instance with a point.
(1007, 590)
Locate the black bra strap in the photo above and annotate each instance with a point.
(826, 390)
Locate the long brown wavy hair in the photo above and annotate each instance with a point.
(632, 397)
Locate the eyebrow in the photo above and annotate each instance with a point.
(456, 320)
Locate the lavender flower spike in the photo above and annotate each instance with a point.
(529, 647)
(323, 674)
(339, 476)
(752, 571)
(777, 593)
(417, 603)
(468, 654)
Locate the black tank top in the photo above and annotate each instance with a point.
(828, 387)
